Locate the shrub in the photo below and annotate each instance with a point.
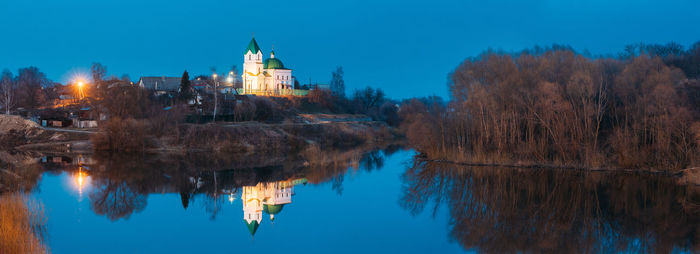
(123, 135)
(389, 114)
(264, 109)
(323, 98)
(244, 110)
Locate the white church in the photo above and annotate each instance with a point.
(264, 77)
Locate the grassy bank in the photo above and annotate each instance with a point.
(22, 225)
(137, 136)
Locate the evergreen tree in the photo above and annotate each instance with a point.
(185, 91)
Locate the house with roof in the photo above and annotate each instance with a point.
(265, 77)
(160, 85)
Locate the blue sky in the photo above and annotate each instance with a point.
(407, 48)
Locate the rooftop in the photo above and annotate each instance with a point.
(160, 83)
(252, 47)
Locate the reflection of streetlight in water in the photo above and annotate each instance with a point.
(231, 198)
(80, 180)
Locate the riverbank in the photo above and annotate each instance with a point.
(17, 133)
(687, 176)
(322, 131)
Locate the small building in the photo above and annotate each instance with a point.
(55, 122)
(84, 123)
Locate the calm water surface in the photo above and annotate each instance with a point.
(238, 211)
(380, 201)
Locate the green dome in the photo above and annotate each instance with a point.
(273, 209)
(252, 226)
(273, 63)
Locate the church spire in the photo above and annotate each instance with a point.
(252, 47)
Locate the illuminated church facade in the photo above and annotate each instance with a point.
(265, 77)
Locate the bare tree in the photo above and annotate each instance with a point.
(368, 98)
(29, 87)
(98, 72)
(7, 91)
(125, 77)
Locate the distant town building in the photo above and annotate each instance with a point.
(268, 76)
(317, 86)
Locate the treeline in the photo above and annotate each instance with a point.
(556, 106)
(24, 90)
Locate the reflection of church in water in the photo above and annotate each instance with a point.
(269, 198)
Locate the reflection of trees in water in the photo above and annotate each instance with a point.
(372, 160)
(512, 210)
(115, 199)
(332, 166)
(369, 161)
(120, 184)
(185, 198)
(213, 205)
(18, 172)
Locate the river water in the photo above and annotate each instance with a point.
(378, 201)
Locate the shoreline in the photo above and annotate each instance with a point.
(690, 176)
(241, 138)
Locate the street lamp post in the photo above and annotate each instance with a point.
(216, 100)
(230, 79)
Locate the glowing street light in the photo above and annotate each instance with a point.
(80, 85)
